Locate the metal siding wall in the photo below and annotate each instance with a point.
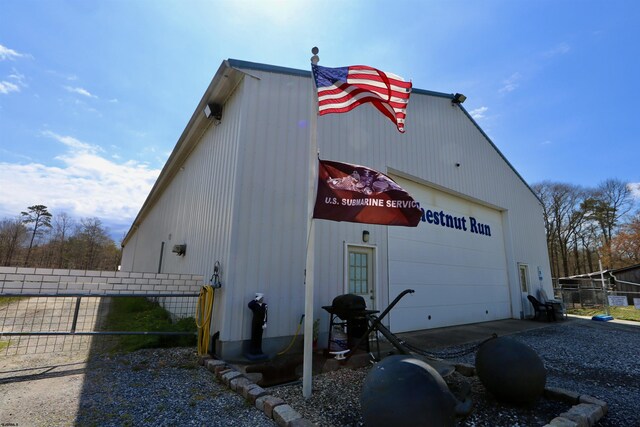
(263, 231)
(438, 136)
(197, 209)
(128, 254)
(272, 192)
(268, 249)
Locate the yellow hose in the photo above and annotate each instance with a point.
(204, 308)
(293, 339)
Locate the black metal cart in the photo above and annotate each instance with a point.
(349, 311)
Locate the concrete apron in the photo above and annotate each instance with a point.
(428, 340)
(432, 339)
(439, 338)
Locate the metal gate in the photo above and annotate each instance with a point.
(45, 310)
(45, 323)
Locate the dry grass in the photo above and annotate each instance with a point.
(622, 313)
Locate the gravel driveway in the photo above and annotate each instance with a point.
(168, 387)
(163, 387)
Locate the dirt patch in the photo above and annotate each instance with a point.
(36, 390)
(41, 377)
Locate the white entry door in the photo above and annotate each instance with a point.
(360, 273)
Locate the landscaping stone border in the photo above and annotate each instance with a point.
(273, 407)
(585, 412)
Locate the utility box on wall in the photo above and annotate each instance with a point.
(179, 250)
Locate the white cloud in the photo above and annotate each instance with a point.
(73, 143)
(8, 87)
(65, 76)
(478, 113)
(80, 91)
(560, 49)
(86, 185)
(6, 53)
(546, 142)
(635, 189)
(17, 77)
(15, 85)
(510, 84)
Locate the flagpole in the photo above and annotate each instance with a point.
(307, 367)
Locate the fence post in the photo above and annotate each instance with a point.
(604, 288)
(75, 315)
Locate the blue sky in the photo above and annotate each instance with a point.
(94, 94)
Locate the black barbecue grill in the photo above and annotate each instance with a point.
(349, 311)
(347, 306)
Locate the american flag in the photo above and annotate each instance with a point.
(343, 89)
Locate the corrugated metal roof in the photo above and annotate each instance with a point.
(236, 63)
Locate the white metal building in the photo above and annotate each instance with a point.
(234, 190)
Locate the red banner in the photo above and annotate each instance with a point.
(355, 193)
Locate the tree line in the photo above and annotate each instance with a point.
(585, 225)
(37, 238)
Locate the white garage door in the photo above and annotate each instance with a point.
(454, 260)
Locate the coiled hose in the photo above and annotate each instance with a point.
(204, 308)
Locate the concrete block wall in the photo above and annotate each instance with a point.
(19, 280)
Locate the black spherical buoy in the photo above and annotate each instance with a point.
(511, 371)
(405, 391)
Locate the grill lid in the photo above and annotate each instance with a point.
(348, 302)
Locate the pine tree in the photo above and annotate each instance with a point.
(39, 217)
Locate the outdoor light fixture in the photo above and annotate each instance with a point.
(365, 236)
(179, 250)
(458, 98)
(213, 111)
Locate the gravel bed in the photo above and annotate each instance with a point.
(167, 387)
(163, 387)
(594, 358)
(327, 408)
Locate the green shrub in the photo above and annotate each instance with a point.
(140, 314)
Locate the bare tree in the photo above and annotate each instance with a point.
(589, 240)
(88, 242)
(13, 233)
(567, 216)
(62, 228)
(543, 191)
(614, 201)
(563, 217)
(625, 246)
(585, 224)
(83, 246)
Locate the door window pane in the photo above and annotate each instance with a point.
(358, 273)
(524, 278)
